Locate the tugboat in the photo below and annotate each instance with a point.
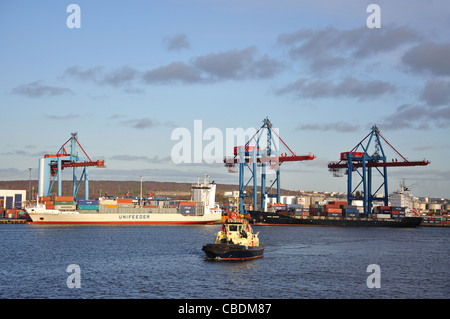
(236, 241)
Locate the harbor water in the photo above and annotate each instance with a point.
(143, 262)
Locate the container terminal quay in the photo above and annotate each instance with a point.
(367, 201)
(14, 197)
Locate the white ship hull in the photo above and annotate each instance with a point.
(138, 218)
(205, 211)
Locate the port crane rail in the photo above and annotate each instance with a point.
(353, 160)
(255, 156)
(51, 166)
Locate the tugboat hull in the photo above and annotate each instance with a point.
(233, 252)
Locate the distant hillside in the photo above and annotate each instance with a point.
(120, 188)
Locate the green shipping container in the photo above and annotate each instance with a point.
(64, 203)
(88, 207)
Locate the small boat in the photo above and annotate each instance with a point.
(236, 241)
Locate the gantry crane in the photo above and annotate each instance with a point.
(51, 166)
(253, 156)
(359, 158)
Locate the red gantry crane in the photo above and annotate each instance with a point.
(359, 158)
(262, 156)
(51, 166)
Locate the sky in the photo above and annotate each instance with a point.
(128, 76)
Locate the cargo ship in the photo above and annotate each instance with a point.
(202, 209)
(336, 213)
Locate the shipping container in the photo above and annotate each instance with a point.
(66, 207)
(68, 202)
(338, 203)
(124, 200)
(88, 207)
(333, 210)
(62, 198)
(352, 214)
(334, 214)
(88, 202)
(187, 204)
(120, 205)
(110, 206)
(108, 202)
(187, 210)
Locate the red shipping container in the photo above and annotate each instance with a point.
(44, 199)
(333, 210)
(124, 200)
(187, 204)
(62, 198)
(338, 203)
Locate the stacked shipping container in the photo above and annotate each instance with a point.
(64, 203)
(84, 205)
(338, 209)
(187, 208)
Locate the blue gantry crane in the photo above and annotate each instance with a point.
(359, 163)
(51, 166)
(256, 154)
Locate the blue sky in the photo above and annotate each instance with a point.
(137, 70)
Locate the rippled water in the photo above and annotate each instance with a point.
(167, 262)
